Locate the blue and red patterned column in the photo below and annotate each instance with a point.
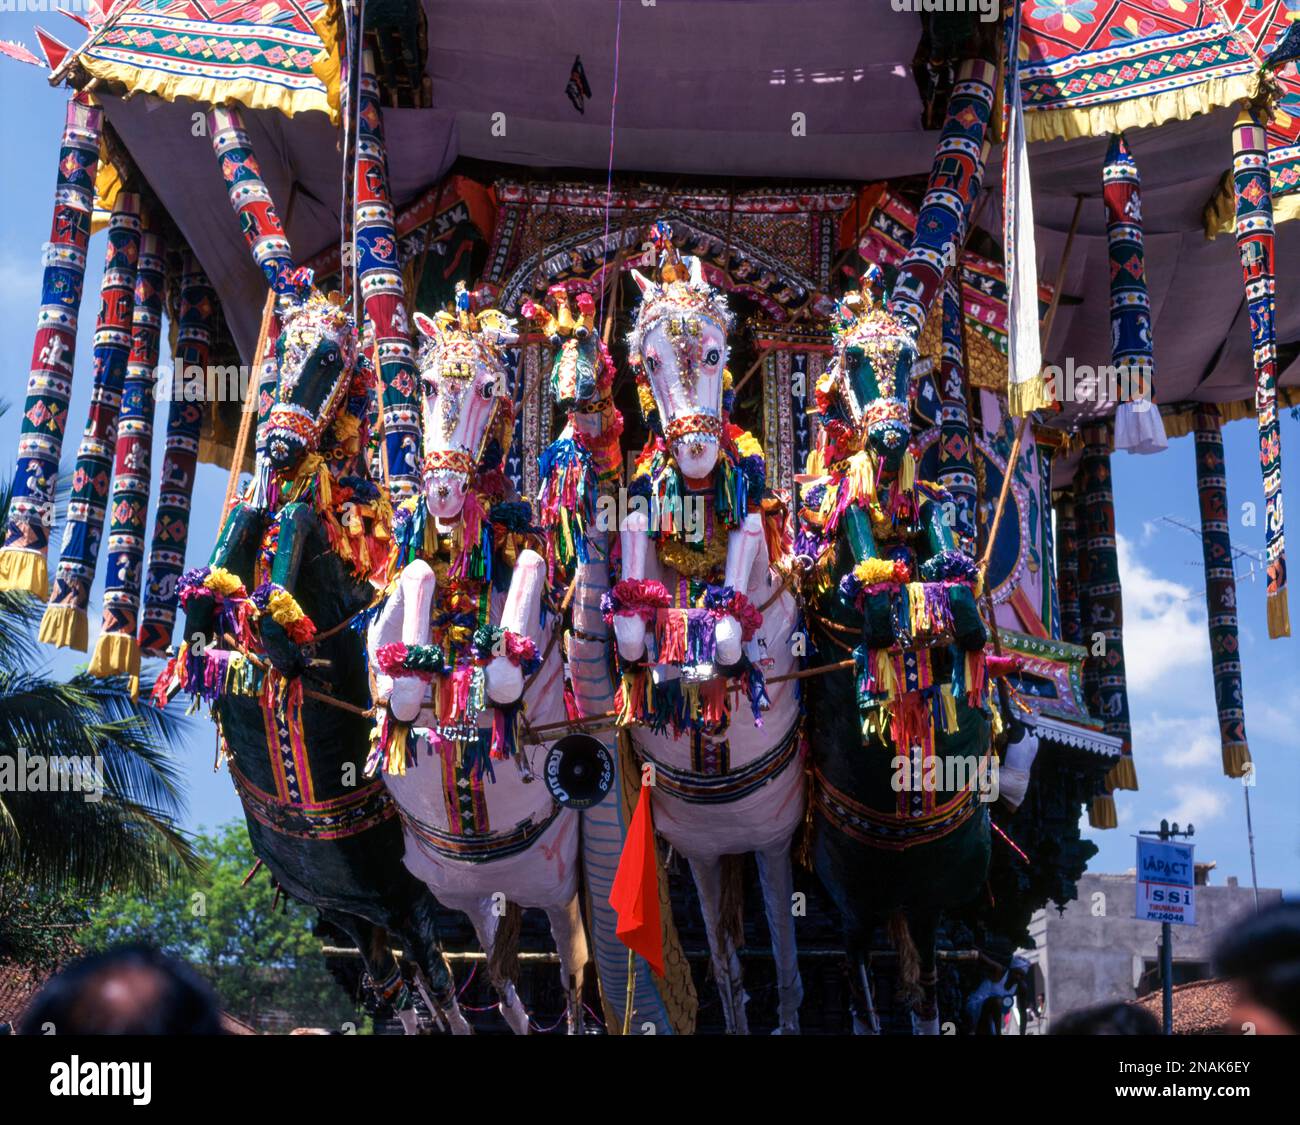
(1256, 244)
(1067, 569)
(1220, 590)
(116, 651)
(1105, 682)
(1138, 428)
(954, 182)
(65, 621)
(956, 473)
(24, 557)
(171, 526)
(255, 209)
(383, 296)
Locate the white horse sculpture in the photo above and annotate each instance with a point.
(723, 784)
(481, 830)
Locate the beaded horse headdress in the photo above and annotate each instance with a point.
(582, 375)
(687, 394)
(869, 374)
(467, 404)
(317, 358)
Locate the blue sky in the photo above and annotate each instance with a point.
(1171, 691)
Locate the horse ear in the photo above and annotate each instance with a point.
(500, 329)
(643, 283)
(428, 328)
(697, 272)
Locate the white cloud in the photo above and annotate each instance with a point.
(1182, 742)
(1164, 627)
(1196, 804)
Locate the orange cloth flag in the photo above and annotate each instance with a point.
(635, 894)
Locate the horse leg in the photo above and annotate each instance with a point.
(865, 1019)
(925, 1015)
(722, 951)
(487, 927)
(418, 929)
(571, 944)
(777, 880)
(386, 983)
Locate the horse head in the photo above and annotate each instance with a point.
(582, 371)
(679, 348)
(316, 355)
(467, 405)
(868, 379)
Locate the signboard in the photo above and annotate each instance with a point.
(1166, 884)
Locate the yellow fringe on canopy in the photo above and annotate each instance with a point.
(1122, 775)
(108, 183)
(117, 654)
(1181, 421)
(64, 626)
(328, 66)
(1101, 813)
(1236, 759)
(1137, 112)
(210, 91)
(1031, 395)
(24, 570)
(1279, 615)
(1220, 215)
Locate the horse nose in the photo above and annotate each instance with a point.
(443, 491)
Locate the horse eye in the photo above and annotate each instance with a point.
(712, 358)
(652, 364)
(487, 390)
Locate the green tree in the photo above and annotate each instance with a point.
(258, 953)
(117, 827)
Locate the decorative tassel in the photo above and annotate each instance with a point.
(1101, 813)
(1256, 244)
(117, 654)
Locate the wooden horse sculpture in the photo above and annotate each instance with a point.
(699, 613)
(901, 745)
(309, 542)
(465, 654)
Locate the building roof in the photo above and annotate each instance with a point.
(1201, 1007)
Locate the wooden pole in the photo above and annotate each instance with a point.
(248, 406)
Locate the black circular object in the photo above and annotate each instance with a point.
(579, 771)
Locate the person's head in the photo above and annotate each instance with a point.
(130, 990)
(1261, 956)
(1107, 1019)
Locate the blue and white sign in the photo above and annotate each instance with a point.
(1166, 882)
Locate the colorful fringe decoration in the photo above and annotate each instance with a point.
(1256, 245)
(251, 200)
(1105, 685)
(1067, 569)
(23, 560)
(566, 502)
(116, 651)
(1220, 590)
(954, 182)
(198, 311)
(956, 474)
(384, 297)
(1138, 427)
(64, 623)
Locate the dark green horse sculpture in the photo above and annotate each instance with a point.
(901, 738)
(285, 666)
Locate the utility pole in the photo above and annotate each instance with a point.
(1167, 832)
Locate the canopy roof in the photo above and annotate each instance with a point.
(771, 90)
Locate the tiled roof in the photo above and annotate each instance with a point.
(1201, 1007)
